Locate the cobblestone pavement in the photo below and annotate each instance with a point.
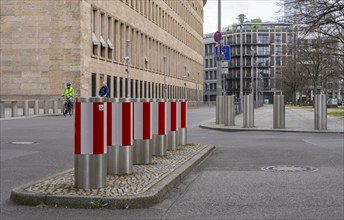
(143, 177)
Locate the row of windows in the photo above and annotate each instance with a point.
(259, 38)
(187, 15)
(153, 12)
(109, 37)
(140, 88)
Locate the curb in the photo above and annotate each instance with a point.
(229, 129)
(146, 199)
(31, 116)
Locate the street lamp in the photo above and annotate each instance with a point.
(185, 95)
(241, 18)
(127, 60)
(252, 55)
(208, 88)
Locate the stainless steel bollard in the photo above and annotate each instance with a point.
(172, 119)
(26, 107)
(220, 110)
(90, 143)
(279, 112)
(14, 108)
(320, 112)
(36, 108)
(46, 107)
(55, 107)
(159, 127)
(142, 149)
(120, 136)
(217, 121)
(248, 121)
(229, 112)
(2, 109)
(182, 122)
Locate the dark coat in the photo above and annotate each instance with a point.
(104, 91)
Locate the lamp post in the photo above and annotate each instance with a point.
(257, 104)
(185, 95)
(219, 69)
(241, 19)
(127, 60)
(208, 87)
(252, 55)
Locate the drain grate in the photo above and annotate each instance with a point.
(284, 168)
(22, 142)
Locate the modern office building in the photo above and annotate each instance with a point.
(266, 49)
(46, 43)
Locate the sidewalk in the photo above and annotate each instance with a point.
(146, 186)
(296, 120)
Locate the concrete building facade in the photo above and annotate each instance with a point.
(266, 49)
(46, 43)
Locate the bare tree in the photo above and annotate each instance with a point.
(323, 16)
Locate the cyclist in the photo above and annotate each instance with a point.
(68, 92)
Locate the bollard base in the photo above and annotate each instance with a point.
(120, 160)
(142, 152)
(90, 171)
(182, 134)
(159, 145)
(171, 140)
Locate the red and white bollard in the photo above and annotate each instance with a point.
(120, 136)
(159, 127)
(182, 118)
(90, 143)
(142, 151)
(172, 124)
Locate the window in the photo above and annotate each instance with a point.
(263, 39)
(95, 26)
(278, 38)
(115, 87)
(136, 88)
(102, 35)
(278, 61)
(149, 84)
(108, 83)
(140, 88)
(145, 89)
(121, 87)
(263, 50)
(126, 87)
(110, 38)
(94, 87)
(278, 49)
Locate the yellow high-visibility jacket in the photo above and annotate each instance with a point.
(68, 92)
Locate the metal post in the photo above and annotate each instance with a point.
(257, 95)
(55, 106)
(229, 114)
(90, 156)
(127, 59)
(2, 109)
(25, 107)
(241, 19)
(36, 108)
(278, 112)
(208, 94)
(220, 109)
(120, 150)
(14, 109)
(248, 114)
(320, 112)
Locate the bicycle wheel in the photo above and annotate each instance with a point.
(70, 111)
(65, 109)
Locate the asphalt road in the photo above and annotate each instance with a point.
(229, 184)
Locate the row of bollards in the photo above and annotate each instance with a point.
(225, 111)
(26, 108)
(112, 135)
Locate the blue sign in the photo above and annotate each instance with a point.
(225, 50)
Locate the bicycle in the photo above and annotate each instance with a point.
(68, 107)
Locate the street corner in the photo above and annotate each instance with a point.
(145, 187)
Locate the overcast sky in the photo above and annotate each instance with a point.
(264, 9)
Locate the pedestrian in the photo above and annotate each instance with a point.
(104, 90)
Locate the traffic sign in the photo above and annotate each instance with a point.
(225, 50)
(217, 36)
